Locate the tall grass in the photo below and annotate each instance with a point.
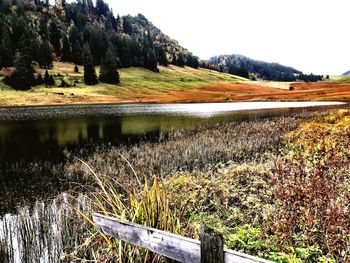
(146, 204)
(200, 149)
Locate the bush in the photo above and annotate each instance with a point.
(313, 187)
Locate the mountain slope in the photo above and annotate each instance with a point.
(62, 31)
(255, 69)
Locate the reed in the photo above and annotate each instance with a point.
(145, 204)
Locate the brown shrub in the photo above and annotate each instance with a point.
(312, 188)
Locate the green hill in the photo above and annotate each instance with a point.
(82, 33)
(255, 69)
(136, 84)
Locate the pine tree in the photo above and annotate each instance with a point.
(73, 34)
(47, 78)
(77, 55)
(55, 38)
(45, 55)
(66, 52)
(39, 80)
(151, 60)
(90, 77)
(109, 72)
(174, 61)
(23, 76)
(76, 69)
(6, 54)
(161, 55)
(43, 29)
(195, 63)
(181, 60)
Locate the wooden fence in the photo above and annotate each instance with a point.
(209, 249)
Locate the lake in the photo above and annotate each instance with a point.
(33, 141)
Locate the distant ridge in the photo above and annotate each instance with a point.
(346, 73)
(255, 69)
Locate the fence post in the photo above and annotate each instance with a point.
(212, 246)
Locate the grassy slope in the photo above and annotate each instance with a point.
(339, 79)
(134, 82)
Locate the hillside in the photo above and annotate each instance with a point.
(346, 73)
(82, 33)
(255, 69)
(137, 85)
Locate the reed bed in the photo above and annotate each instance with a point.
(40, 233)
(240, 178)
(198, 150)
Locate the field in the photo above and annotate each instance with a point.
(171, 85)
(268, 185)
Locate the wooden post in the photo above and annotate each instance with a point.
(172, 246)
(212, 246)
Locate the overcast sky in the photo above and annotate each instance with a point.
(310, 35)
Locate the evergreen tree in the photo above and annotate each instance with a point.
(109, 72)
(47, 78)
(73, 34)
(127, 26)
(45, 55)
(174, 61)
(76, 69)
(66, 51)
(77, 55)
(181, 60)
(102, 8)
(6, 53)
(151, 60)
(90, 77)
(43, 30)
(39, 80)
(51, 81)
(161, 56)
(195, 63)
(23, 76)
(55, 38)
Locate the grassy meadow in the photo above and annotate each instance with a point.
(135, 84)
(277, 188)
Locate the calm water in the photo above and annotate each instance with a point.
(32, 142)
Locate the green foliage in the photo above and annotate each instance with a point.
(241, 65)
(161, 56)
(66, 49)
(108, 71)
(147, 205)
(48, 79)
(77, 53)
(6, 53)
(192, 61)
(81, 22)
(90, 77)
(23, 76)
(45, 55)
(55, 37)
(181, 62)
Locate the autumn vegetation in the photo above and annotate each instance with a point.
(276, 188)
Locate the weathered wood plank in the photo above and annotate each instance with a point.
(167, 244)
(212, 246)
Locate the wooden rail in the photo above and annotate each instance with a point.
(166, 244)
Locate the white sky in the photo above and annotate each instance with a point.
(310, 35)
